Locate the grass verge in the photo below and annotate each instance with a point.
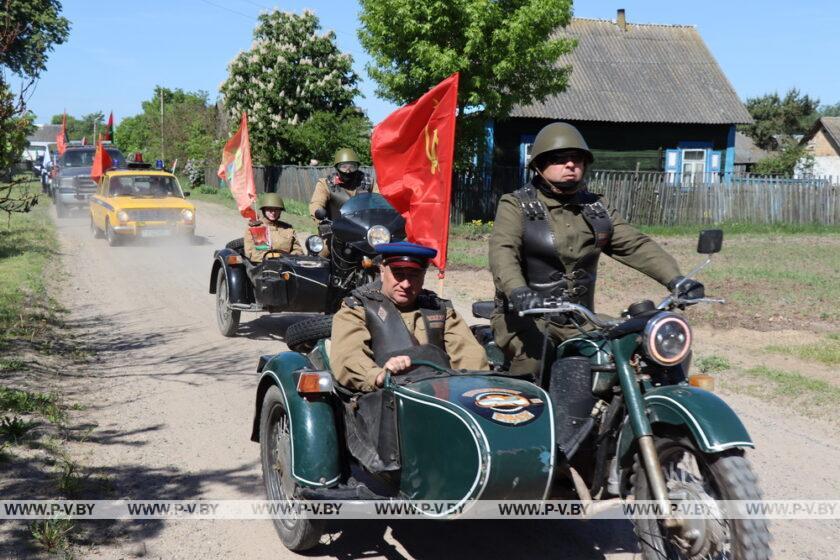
(30, 332)
(296, 213)
(826, 352)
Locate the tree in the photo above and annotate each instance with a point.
(791, 157)
(82, 127)
(189, 123)
(777, 117)
(506, 52)
(290, 74)
(324, 133)
(29, 30)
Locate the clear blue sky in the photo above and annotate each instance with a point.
(118, 51)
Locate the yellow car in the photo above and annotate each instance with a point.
(132, 203)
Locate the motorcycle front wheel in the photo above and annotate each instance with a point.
(697, 476)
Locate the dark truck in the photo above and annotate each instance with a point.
(71, 185)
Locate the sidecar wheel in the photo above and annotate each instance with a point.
(303, 335)
(276, 457)
(226, 318)
(725, 476)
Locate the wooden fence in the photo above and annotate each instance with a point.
(643, 198)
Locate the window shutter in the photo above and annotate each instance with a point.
(672, 166)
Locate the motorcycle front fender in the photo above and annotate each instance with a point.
(713, 425)
(315, 445)
(236, 276)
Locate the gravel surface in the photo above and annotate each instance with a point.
(170, 405)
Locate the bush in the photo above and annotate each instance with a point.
(195, 172)
(207, 189)
(475, 229)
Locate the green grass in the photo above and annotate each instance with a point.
(11, 364)
(743, 229)
(27, 243)
(826, 352)
(791, 385)
(26, 402)
(712, 364)
(14, 428)
(53, 535)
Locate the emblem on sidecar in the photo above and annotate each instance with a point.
(505, 406)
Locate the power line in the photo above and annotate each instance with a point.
(257, 4)
(227, 9)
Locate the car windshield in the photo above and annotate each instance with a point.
(84, 158)
(145, 186)
(366, 201)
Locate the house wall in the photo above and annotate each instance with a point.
(820, 145)
(827, 166)
(615, 145)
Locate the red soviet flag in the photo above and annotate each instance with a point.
(61, 137)
(101, 163)
(412, 153)
(109, 135)
(237, 170)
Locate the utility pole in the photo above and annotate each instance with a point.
(161, 125)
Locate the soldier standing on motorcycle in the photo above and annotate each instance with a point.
(270, 235)
(348, 180)
(547, 239)
(381, 323)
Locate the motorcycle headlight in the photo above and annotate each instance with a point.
(378, 234)
(187, 215)
(667, 339)
(314, 244)
(122, 216)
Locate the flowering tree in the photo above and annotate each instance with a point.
(290, 73)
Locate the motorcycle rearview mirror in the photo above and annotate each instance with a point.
(710, 241)
(320, 214)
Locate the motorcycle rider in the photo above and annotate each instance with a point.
(333, 191)
(380, 324)
(547, 239)
(270, 234)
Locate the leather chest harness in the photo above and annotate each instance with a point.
(339, 194)
(389, 335)
(545, 271)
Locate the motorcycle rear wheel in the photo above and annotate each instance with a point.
(275, 454)
(723, 476)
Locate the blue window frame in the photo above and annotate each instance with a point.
(526, 141)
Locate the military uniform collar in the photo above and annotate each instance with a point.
(573, 200)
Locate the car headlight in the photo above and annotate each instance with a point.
(122, 216)
(378, 234)
(187, 214)
(314, 244)
(667, 339)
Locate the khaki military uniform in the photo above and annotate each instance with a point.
(351, 357)
(521, 337)
(281, 237)
(321, 196)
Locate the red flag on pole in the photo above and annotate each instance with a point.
(102, 162)
(237, 170)
(412, 153)
(109, 134)
(61, 137)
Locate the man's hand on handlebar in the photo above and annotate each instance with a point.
(524, 298)
(687, 288)
(394, 366)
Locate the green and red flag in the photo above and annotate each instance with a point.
(61, 137)
(238, 171)
(413, 150)
(102, 162)
(109, 129)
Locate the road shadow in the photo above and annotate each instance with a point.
(268, 326)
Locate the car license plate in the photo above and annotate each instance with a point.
(154, 232)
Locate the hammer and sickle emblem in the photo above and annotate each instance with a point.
(431, 148)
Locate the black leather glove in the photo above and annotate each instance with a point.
(524, 298)
(689, 289)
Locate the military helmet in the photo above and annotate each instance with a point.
(272, 200)
(559, 136)
(345, 155)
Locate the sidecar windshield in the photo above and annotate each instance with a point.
(366, 201)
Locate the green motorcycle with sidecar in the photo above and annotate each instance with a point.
(611, 417)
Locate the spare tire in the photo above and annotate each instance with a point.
(302, 336)
(237, 245)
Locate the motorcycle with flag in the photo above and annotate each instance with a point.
(296, 283)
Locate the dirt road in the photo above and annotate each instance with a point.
(169, 411)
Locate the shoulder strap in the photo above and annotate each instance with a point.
(598, 217)
(532, 208)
